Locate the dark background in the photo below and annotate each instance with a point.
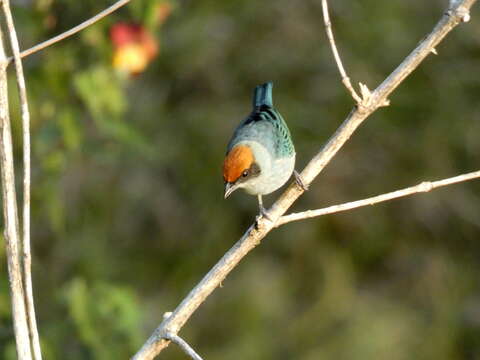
(128, 211)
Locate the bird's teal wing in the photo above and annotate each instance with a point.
(265, 124)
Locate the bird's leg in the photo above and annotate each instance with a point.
(299, 180)
(263, 211)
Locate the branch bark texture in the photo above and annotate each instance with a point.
(156, 343)
(12, 232)
(27, 257)
(23, 310)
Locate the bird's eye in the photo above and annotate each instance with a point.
(245, 173)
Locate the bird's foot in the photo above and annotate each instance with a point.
(263, 214)
(299, 180)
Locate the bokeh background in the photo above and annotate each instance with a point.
(128, 210)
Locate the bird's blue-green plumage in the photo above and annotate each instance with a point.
(262, 95)
(265, 124)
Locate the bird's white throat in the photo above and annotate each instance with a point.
(274, 172)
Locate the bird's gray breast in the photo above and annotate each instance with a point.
(269, 181)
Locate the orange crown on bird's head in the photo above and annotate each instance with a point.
(239, 159)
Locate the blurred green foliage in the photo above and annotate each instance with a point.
(128, 212)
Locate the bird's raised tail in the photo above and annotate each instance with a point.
(263, 95)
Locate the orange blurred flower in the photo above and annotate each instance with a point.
(134, 47)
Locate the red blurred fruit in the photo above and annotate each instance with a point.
(134, 47)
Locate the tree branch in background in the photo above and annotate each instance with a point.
(171, 325)
(72, 31)
(23, 309)
(425, 186)
(11, 232)
(27, 257)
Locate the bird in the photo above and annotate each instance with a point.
(260, 156)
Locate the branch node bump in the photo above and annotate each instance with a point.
(385, 103)
(167, 314)
(463, 13)
(366, 98)
(425, 186)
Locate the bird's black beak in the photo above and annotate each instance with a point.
(229, 188)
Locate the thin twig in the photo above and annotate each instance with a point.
(425, 186)
(27, 257)
(183, 345)
(252, 237)
(11, 232)
(336, 55)
(72, 31)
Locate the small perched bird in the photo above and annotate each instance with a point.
(260, 155)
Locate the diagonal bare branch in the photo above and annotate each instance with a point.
(425, 186)
(72, 31)
(252, 237)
